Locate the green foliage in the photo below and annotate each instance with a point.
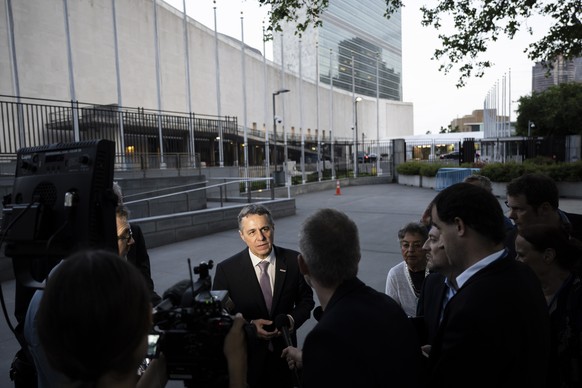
(430, 169)
(560, 172)
(476, 23)
(409, 168)
(449, 129)
(255, 185)
(540, 161)
(419, 168)
(556, 111)
(565, 172)
(479, 22)
(290, 11)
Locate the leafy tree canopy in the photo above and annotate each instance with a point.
(477, 23)
(555, 111)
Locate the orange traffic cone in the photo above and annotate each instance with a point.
(337, 188)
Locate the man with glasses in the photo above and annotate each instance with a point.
(138, 254)
(404, 280)
(124, 235)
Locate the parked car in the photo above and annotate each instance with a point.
(451, 155)
(363, 157)
(373, 157)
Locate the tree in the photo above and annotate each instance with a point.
(449, 129)
(477, 24)
(555, 111)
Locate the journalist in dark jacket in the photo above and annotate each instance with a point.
(291, 296)
(139, 257)
(363, 338)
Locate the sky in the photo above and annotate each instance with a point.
(435, 98)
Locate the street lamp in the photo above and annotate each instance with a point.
(356, 100)
(274, 157)
(530, 125)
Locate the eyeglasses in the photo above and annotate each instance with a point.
(408, 246)
(126, 236)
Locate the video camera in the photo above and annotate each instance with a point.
(190, 325)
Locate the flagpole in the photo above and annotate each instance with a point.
(244, 91)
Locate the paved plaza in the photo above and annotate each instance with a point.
(378, 210)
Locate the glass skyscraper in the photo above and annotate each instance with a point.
(359, 49)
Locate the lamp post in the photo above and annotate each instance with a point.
(274, 157)
(356, 100)
(530, 125)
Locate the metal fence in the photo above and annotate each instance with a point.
(150, 139)
(30, 122)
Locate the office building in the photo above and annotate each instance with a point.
(562, 71)
(358, 49)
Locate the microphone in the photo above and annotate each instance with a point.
(282, 323)
(172, 296)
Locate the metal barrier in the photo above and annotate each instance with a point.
(148, 212)
(449, 176)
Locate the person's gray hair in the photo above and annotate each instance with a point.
(255, 209)
(117, 191)
(330, 246)
(479, 180)
(414, 228)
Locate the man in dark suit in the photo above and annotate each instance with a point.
(534, 199)
(494, 330)
(138, 254)
(363, 338)
(286, 293)
(433, 295)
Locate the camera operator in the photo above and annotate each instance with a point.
(94, 320)
(46, 376)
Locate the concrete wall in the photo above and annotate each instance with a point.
(41, 57)
(172, 228)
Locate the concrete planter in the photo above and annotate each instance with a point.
(409, 180)
(499, 189)
(570, 189)
(566, 189)
(417, 181)
(428, 182)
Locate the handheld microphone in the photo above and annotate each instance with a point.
(172, 296)
(282, 323)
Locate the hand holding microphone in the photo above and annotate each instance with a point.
(293, 355)
(282, 324)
